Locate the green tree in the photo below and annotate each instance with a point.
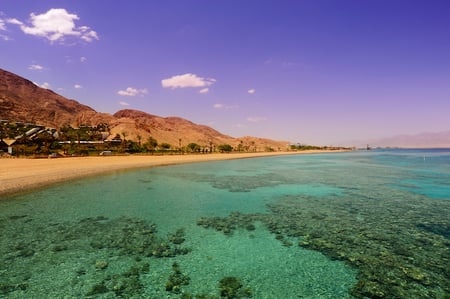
(151, 144)
(253, 145)
(124, 134)
(225, 148)
(240, 147)
(133, 147)
(193, 147)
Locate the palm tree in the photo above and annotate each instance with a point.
(124, 141)
(124, 134)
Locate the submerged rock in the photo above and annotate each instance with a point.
(101, 265)
(176, 280)
(97, 289)
(231, 287)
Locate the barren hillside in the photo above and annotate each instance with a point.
(22, 100)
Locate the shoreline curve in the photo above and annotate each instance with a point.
(19, 175)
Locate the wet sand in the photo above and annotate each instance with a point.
(18, 175)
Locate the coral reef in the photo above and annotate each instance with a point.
(176, 280)
(229, 224)
(237, 183)
(108, 241)
(231, 287)
(400, 245)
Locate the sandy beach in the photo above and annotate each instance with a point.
(18, 175)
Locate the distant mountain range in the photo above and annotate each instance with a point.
(422, 140)
(22, 100)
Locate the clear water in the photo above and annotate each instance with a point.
(361, 224)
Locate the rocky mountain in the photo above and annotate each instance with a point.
(180, 132)
(22, 100)
(169, 129)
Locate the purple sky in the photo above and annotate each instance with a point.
(317, 72)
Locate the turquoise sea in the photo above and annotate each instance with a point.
(365, 224)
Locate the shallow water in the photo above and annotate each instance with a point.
(361, 224)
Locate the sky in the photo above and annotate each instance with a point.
(317, 72)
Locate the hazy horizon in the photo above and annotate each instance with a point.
(316, 72)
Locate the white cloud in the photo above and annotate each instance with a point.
(5, 37)
(56, 25)
(36, 67)
(45, 85)
(251, 91)
(222, 106)
(14, 21)
(132, 92)
(256, 119)
(3, 28)
(204, 90)
(2, 25)
(122, 103)
(71, 60)
(187, 80)
(87, 34)
(78, 86)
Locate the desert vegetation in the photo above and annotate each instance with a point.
(26, 139)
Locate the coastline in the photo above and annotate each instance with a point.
(22, 174)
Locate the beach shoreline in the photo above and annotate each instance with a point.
(19, 175)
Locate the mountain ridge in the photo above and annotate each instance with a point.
(22, 100)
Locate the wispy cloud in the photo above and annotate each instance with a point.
(45, 85)
(186, 80)
(13, 21)
(122, 103)
(251, 91)
(56, 25)
(3, 29)
(289, 64)
(2, 25)
(83, 59)
(77, 86)
(132, 92)
(256, 119)
(36, 67)
(204, 90)
(4, 37)
(222, 106)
